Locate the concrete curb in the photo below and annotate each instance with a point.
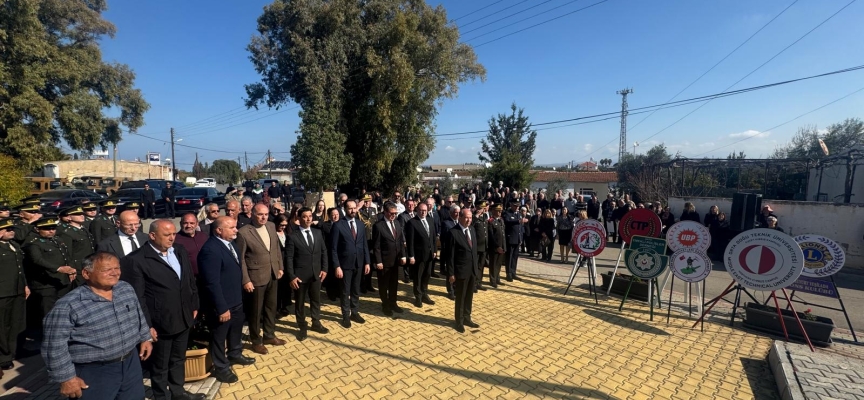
(784, 372)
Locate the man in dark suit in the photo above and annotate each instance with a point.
(127, 238)
(388, 243)
(409, 214)
(446, 226)
(496, 245)
(430, 210)
(222, 279)
(420, 237)
(513, 222)
(161, 275)
(261, 263)
(148, 199)
(462, 268)
(169, 194)
(306, 256)
(349, 256)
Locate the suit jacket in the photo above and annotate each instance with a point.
(259, 265)
(388, 249)
(148, 196)
(405, 217)
(203, 226)
(303, 261)
(347, 251)
(167, 301)
(420, 244)
(113, 245)
(220, 275)
(463, 258)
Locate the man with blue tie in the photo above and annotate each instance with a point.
(349, 256)
(219, 270)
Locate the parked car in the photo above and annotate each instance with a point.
(192, 199)
(124, 196)
(298, 195)
(154, 184)
(206, 182)
(55, 200)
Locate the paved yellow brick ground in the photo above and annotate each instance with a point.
(533, 343)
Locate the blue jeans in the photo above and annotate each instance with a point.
(120, 380)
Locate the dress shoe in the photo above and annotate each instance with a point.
(459, 328)
(498, 282)
(428, 301)
(494, 285)
(7, 365)
(481, 287)
(241, 360)
(434, 275)
(346, 323)
(406, 280)
(519, 278)
(285, 311)
(387, 311)
(259, 348)
(451, 296)
(371, 289)
(475, 289)
(317, 327)
(418, 303)
(357, 318)
(188, 396)
(396, 309)
(509, 279)
(469, 323)
(301, 336)
(225, 375)
(274, 341)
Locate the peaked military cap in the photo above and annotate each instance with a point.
(88, 206)
(482, 204)
(6, 223)
(31, 200)
(77, 210)
(367, 198)
(28, 207)
(110, 203)
(497, 207)
(132, 205)
(46, 223)
(4, 206)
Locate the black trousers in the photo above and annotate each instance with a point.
(420, 273)
(226, 335)
(149, 210)
(169, 209)
(481, 263)
(261, 310)
(350, 300)
(40, 302)
(511, 258)
(12, 322)
(332, 285)
(464, 298)
(388, 285)
(284, 294)
(312, 291)
(168, 364)
(118, 380)
(495, 261)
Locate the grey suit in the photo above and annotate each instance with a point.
(113, 244)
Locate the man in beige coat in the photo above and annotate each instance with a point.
(261, 263)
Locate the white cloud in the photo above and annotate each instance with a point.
(449, 148)
(749, 133)
(709, 144)
(588, 146)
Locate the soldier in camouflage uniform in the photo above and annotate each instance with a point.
(13, 293)
(105, 224)
(46, 266)
(78, 240)
(90, 211)
(27, 215)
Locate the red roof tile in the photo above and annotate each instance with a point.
(584, 176)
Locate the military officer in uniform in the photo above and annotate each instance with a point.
(78, 240)
(481, 226)
(496, 245)
(90, 211)
(513, 222)
(46, 266)
(27, 215)
(13, 293)
(133, 206)
(5, 212)
(106, 224)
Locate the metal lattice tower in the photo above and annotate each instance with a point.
(622, 147)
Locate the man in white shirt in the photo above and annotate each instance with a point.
(128, 237)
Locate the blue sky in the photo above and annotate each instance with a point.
(191, 64)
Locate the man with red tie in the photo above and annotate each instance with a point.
(349, 256)
(388, 243)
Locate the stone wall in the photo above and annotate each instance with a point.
(105, 168)
(840, 222)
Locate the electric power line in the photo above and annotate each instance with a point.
(541, 23)
(508, 16)
(240, 123)
(496, 12)
(478, 10)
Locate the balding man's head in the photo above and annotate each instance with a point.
(260, 213)
(129, 223)
(225, 228)
(162, 234)
(232, 208)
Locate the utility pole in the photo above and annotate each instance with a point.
(173, 160)
(270, 164)
(115, 161)
(622, 145)
(246, 158)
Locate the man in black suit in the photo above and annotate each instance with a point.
(430, 210)
(306, 265)
(462, 268)
(496, 245)
(446, 226)
(420, 236)
(161, 275)
(388, 243)
(222, 279)
(409, 214)
(127, 238)
(148, 199)
(513, 222)
(169, 194)
(349, 256)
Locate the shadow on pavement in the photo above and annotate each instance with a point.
(625, 322)
(527, 386)
(756, 371)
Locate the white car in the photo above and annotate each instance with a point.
(206, 182)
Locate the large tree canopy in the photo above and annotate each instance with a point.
(509, 147)
(54, 85)
(368, 76)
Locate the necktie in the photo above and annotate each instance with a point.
(353, 230)
(134, 242)
(467, 236)
(309, 238)
(393, 230)
(426, 226)
(234, 253)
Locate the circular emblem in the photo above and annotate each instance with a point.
(688, 235)
(639, 222)
(644, 265)
(690, 265)
(822, 256)
(589, 237)
(764, 259)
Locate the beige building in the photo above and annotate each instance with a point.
(105, 168)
